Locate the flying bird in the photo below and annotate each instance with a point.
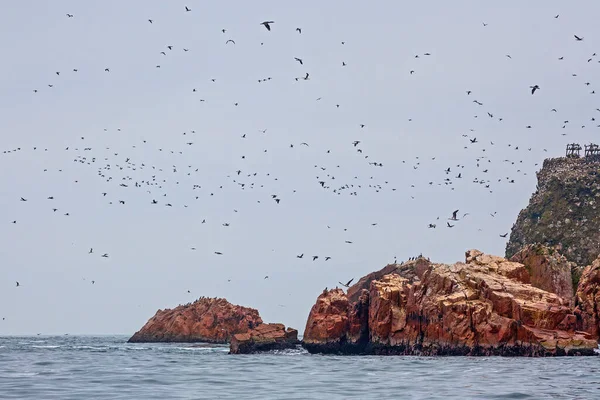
(347, 284)
(505, 235)
(187, 9)
(267, 24)
(579, 39)
(230, 41)
(299, 60)
(453, 218)
(534, 88)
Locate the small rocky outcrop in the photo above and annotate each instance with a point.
(564, 211)
(484, 306)
(264, 337)
(211, 320)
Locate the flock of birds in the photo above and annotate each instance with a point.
(152, 181)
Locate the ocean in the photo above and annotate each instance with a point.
(107, 367)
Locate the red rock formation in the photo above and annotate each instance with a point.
(328, 318)
(210, 320)
(481, 307)
(364, 283)
(588, 298)
(265, 337)
(548, 270)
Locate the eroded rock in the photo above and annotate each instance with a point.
(481, 307)
(588, 298)
(265, 337)
(211, 320)
(548, 270)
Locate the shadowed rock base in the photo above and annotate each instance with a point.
(438, 350)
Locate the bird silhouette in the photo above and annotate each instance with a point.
(454, 214)
(534, 88)
(347, 284)
(267, 24)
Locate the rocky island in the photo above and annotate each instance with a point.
(487, 305)
(215, 320)
(543, 299)
(564, 211)
(211, 320)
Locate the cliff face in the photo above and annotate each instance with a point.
(487, 305)
(210, 320)
(548, 270)
(564, 211)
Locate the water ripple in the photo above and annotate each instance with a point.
(109, 368)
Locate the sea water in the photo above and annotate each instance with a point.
(107, 367)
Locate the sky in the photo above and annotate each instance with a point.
(180, 137)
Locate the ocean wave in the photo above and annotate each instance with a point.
(46, 346)
(194, 348)
(134, 348)
(88, 347)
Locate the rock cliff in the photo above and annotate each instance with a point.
(211, 320)
(487, 305)
(563, 211)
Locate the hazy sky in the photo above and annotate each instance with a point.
(414, 126)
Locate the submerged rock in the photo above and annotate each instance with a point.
(484, 306)
(211, 320)
(265, 337)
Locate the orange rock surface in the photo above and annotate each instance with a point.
(481, 307)
(588, 298)
(547, 270)
(265, 337)
(210, 320)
